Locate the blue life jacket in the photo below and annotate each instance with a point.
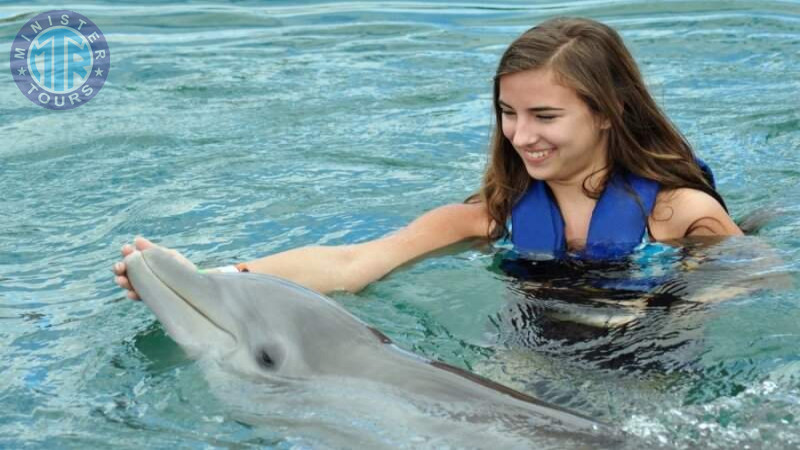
(616, 228)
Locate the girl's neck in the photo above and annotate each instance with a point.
(574, 190)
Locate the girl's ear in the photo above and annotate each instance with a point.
(605, 122)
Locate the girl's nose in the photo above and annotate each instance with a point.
(525, 134)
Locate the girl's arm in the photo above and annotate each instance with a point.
(352, 267)
(687, 212)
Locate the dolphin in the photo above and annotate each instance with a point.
(270, 331)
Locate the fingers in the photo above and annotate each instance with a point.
(127, 249)
(119, 268)
(142, 243)
(124, 283)
(139, 243)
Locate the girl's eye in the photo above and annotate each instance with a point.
(506, 112)
(546, 118)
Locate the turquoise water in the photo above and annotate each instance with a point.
(230, 131)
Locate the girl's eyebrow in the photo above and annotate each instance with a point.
(534, 109)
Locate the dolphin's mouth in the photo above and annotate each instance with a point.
(195, 308)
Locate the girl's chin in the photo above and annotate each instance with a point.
(540, 173)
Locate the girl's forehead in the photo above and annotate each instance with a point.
(536, 85)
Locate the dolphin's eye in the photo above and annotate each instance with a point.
(265, 361)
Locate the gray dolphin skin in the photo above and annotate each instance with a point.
(268, 329)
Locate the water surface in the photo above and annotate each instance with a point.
(230, 131)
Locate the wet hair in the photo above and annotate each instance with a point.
(590, 58)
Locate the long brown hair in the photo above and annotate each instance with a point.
(590, 58)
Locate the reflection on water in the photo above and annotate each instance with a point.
(642, 313)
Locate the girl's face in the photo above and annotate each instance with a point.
(555, 134)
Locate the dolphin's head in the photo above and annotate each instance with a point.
(255, 324)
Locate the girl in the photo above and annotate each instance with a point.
(582, 159)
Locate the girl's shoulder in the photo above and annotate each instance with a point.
(689, 212)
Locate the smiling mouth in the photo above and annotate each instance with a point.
(538, 155)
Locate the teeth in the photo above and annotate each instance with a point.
(539, 154)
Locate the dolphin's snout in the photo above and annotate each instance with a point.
(183, 299)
